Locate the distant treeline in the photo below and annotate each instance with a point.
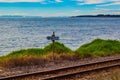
(99, 15)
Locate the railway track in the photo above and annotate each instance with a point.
(55, 74)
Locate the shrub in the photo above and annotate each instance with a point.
(99, 47)
(24, 52)
(58, 48)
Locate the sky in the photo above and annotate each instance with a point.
(51, 8)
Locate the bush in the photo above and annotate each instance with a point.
(99, 47)
(24, 52)
(58, 48)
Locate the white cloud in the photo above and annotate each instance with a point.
(112, 3)
(58, 0)
(94, 1)
(41, 1)
(99, 2)
(21, 0)
(106, 11)
(90, 1)
(117, 13)
(76, 11)
(116, 3)
(80, 3)
(80, 0)
(105, 4)
(102, 9)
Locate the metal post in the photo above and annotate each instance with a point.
(53, 38)
(53, 41)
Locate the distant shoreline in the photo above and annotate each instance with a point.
(20, 17)
(102, 16)
(99, 15)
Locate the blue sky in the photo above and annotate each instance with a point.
(48, 8)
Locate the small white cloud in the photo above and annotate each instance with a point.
(22, 0)
(77, 11)
(101, 9)
(110, 4)
(116, 3)
(117, 13)
(105, 4)
(81, 4)
(90, 1)
(58, 0)
(99, 2)
(106, 11)
(80, 0)
(94, 1)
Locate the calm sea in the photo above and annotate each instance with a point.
(20, 33)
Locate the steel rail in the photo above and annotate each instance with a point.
(78, 72)
(55, 70)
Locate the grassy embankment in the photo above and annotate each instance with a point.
(99, 47)
(35, 56)
(31, 57)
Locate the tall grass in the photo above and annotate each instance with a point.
(35, 56)
(23, 61)
(38, 56)
(24, 52)
(58, 48)
(99, 47)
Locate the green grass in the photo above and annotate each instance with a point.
(34, 56)
(58, 48)
(99, 47)
(24, 52)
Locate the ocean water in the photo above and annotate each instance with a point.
(20, 33)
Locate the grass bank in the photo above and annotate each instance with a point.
(38, 56)
(99, 47)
